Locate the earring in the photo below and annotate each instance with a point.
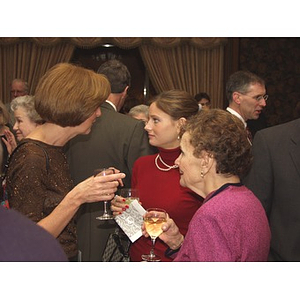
(178, 138)
(202, 174)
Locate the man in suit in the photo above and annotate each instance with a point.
(275, 180)
(116, 140)
(246, 94)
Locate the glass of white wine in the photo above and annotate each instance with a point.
(154, 218)
(103, 172)
(129, 194)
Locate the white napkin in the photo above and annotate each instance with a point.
(131, 220)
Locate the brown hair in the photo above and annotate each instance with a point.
(67, 94)
(223, 136)
(177, 104)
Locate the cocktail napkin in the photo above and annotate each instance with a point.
(131, 220)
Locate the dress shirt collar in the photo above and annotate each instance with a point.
(237, 115)
(115, 108)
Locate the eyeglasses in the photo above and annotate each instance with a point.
(258, 98)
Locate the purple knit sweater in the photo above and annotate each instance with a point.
(231, 225)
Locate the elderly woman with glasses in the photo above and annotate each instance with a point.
(231, 225)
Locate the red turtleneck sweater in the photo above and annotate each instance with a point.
(162, 189)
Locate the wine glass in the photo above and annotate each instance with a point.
(154, 218)
(129, 194)
(103, 172)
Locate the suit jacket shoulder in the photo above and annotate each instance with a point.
(278, 133)
(115, 140)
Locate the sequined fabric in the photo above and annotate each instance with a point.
(35, 190)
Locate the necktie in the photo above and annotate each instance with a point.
(249, 134)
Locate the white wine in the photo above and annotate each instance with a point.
(153, 221)
(129, 195)
(130, 199)
(153, 226)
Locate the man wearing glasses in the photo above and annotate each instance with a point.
(246, 93)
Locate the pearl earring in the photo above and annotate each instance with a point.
(202, 174)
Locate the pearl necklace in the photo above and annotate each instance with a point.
(168, 167)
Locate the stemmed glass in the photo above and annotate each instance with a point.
(106, 215)
(153, 220)
(130, 194)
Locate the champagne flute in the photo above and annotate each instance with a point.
(154, 218)
(129, 194)
(106, 215)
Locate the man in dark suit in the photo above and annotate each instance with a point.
(116, 140)
(275, 180)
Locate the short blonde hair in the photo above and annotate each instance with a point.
(67, 95)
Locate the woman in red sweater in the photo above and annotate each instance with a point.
(156, 176)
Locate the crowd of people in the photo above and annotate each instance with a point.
(228, 194)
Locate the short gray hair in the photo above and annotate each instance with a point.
(27, 103)
(240, 81)
(139, 109)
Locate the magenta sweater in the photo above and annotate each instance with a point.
(231, 225)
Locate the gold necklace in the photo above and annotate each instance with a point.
(168, 167)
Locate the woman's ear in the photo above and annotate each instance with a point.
(180, 123)
(204, 159)
(207, 162)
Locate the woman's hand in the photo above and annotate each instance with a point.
(93, 189)
(9, 141)
(116, 171)
(118, 205)
(171, 234)
(97, 188)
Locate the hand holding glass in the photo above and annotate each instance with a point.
(103, 172)
(154, 218)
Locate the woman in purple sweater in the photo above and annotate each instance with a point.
(231, 225)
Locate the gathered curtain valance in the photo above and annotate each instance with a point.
(121, 42)
(194, 64)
